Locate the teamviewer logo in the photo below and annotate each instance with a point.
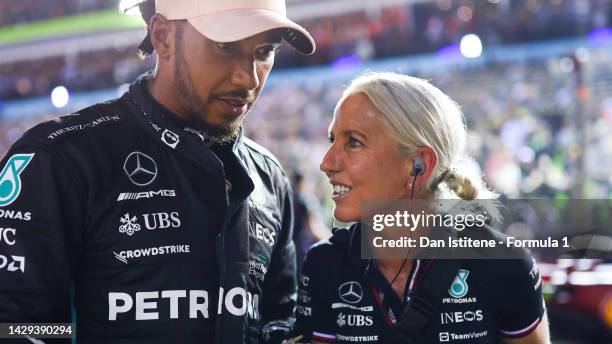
(444, 337)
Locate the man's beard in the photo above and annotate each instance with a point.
(197, 110)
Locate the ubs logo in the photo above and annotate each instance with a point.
(140, 168)
(350, 292)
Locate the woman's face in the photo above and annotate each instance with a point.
(363, 162)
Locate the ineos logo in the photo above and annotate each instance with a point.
(350, 292)
(140, 168)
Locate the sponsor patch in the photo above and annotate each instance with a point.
(461, 317)
(257, 269)
(459, 288)
(350, 292)
(12, 263)
(7, 236)
(354, 320)
(130, 224)
(170, 138)
(140, 168)
(127, 255)
(125, 196)
(96, 122)
(10, 180)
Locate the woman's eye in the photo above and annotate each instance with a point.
(354, 142)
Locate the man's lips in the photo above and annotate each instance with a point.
(234, 106)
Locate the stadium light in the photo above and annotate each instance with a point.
(470, 46)
(60, 97)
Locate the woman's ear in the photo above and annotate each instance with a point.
(422, 166)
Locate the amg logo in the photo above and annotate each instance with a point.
(146, 194)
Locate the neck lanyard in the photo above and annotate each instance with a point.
(390, 318)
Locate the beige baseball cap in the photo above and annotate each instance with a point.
(233, 20)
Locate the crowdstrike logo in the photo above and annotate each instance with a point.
(125, 256)
(140, 168)
(10, 181)
(350, 292)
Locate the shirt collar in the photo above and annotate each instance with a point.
(162, 120)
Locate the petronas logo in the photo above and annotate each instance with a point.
(10, 183)
(459, 288)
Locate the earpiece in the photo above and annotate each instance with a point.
(418, 168)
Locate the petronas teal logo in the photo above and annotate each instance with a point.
(10, 183)
(459, 288)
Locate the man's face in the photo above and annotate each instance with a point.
(219, 82)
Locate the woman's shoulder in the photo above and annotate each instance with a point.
(505, 274)
(333, 246)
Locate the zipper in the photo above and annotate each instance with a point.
(228, 191)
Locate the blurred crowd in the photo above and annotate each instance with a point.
(532, 131)
(432, 25)
(26, 11)
(78, 72)
(529, 135)
(360, 36)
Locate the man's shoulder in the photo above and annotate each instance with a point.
(259, 150)
(99, 117)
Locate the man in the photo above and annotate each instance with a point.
(170, 225)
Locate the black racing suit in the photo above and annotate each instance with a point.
(164, 238)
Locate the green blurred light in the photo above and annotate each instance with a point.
(101, 21)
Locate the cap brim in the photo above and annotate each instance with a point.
(236, 25)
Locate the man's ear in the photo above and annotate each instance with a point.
(162, 36)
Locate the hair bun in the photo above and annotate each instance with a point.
(461, 185)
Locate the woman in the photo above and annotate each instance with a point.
(399, 137)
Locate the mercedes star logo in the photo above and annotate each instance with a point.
(350, 292)
(140, 168)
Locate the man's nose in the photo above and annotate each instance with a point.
(245, 74)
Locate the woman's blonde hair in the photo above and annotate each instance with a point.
(418, 115)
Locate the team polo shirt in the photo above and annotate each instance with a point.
(346, 299)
